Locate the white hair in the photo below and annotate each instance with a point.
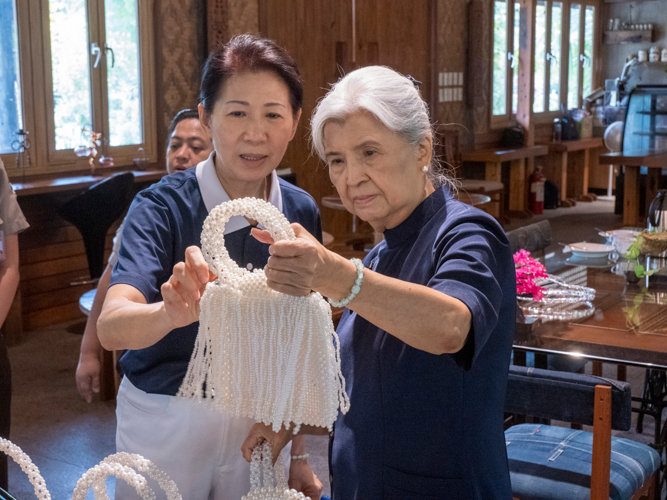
(389, 96)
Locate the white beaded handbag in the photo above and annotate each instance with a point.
(267, 482)
(260, 353)
(119, 465)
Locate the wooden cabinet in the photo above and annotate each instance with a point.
(329, 39)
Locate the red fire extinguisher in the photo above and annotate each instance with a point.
(537, 181)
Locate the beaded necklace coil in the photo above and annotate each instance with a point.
(120, 465)
(260, 353)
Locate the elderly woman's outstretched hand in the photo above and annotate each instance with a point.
(296, 267)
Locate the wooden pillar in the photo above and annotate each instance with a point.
(526, 88)
(525, 94)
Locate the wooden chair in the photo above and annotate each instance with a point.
(534, 238)
(548, 462)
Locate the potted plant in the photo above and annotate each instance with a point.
(636, 270)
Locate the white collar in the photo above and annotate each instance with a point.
(214, 194)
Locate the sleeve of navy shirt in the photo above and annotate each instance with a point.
(148, 232)
(473, 264)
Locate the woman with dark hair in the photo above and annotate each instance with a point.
(251, 98)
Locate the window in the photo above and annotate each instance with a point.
(94, 73)
(505, 59)
(548, 40)
(564, 51)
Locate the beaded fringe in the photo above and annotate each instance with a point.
(260, 353)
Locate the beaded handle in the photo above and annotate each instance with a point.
(213, 238)
(262, 472)
(120, 465)
(31, 470)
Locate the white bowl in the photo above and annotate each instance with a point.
(622, 244)
(585, 250)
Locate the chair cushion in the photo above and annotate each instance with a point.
(555, 463)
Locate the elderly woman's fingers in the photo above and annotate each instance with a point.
(261, 432)
(262, 236)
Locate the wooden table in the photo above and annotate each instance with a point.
(518, 185)
(564, 148)
(54, 184)
(632, 161)
(629, 328)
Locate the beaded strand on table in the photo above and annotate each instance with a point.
(260, 353)
(30, 469)
(268, 482)
(561, 301)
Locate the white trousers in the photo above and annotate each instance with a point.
(196, 445)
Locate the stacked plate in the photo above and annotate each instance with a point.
(589, 254)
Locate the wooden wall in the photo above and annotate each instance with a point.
(320, 35)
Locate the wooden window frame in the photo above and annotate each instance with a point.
(502, 121)
(37, 91)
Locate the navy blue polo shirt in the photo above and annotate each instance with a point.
(422, 425)
(163, 221)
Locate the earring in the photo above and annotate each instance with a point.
(425, 168)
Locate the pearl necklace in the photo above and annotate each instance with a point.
(266, 481)
(118, 465)
(260, 353)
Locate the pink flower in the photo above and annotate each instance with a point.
(527, 271)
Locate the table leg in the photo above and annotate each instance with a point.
(518, 188)
(652, 183)
(587, 161)
(631, 197)
(563, 176)
(493, 171)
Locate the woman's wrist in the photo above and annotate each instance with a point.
(340, 278)
(351, 292)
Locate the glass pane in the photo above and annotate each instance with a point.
(11, 113)
(540, 54)
(500, 58)
(554, 78)
(71, 72)
(588, 50)
(573, 66)
(123, 80)
(515, 79)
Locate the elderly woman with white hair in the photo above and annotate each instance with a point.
(427, 334)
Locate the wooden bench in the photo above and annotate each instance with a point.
(563, 149)
(493, 160)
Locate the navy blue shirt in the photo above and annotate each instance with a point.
(163, 221)
(422, 425)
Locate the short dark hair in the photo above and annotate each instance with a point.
(184, 114)
(249, 53)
